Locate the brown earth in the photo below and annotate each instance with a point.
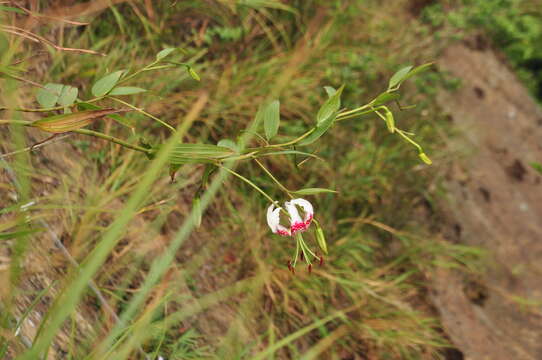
(494, 202)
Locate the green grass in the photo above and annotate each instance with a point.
(223, 290)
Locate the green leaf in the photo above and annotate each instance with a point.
(230, 144)
(68, 95)
(271, 118)
(165, 52)
(52, 94)
(330, 91)
(312, 191)
(417, 70)
(106, 84)
(321, 239)
(399, 77)
(126, 90)
(318, 132)
(48, 95)
(196, 207)
(330, 107)
(198, 153)
(59, 124)
(385, 98)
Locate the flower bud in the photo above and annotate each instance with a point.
(321, 238)
(425, 158)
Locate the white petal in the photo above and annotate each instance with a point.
(292, 210)
(273, 220)
(307, 208)
(273, 217)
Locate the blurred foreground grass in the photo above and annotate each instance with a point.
(228, 293)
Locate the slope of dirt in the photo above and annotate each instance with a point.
(495, 202)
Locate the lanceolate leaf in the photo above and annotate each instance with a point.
(330, 90)
(399, 77)
(271, 118)
(330, 107)
(163, 53)
(318, 132)
(417, 70)
(312, 191)
(68, 122)
(198, 153)
(385, 98)
(106, 84)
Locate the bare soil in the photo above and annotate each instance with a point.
(494, 202)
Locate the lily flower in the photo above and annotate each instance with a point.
(298, 224)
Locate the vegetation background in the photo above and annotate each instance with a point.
(227, 292)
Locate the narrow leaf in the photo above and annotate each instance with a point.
(418, 70)
(126, 90)
(318, 132)
(271, 119)
(106, 84)
(330, 91)
(198, 153)
(313, 191)
(399, 77)
(68, 122)
(163, 53)
(385, 98)
(321, 238)
(330, 107)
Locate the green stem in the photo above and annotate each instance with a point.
(14, 122)
(296, 250)
(282, 187)
(251, 184)
(340, 117)
(112, 139)
(354, 111)
(144, 113)
(416, 145)
(291, 142)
